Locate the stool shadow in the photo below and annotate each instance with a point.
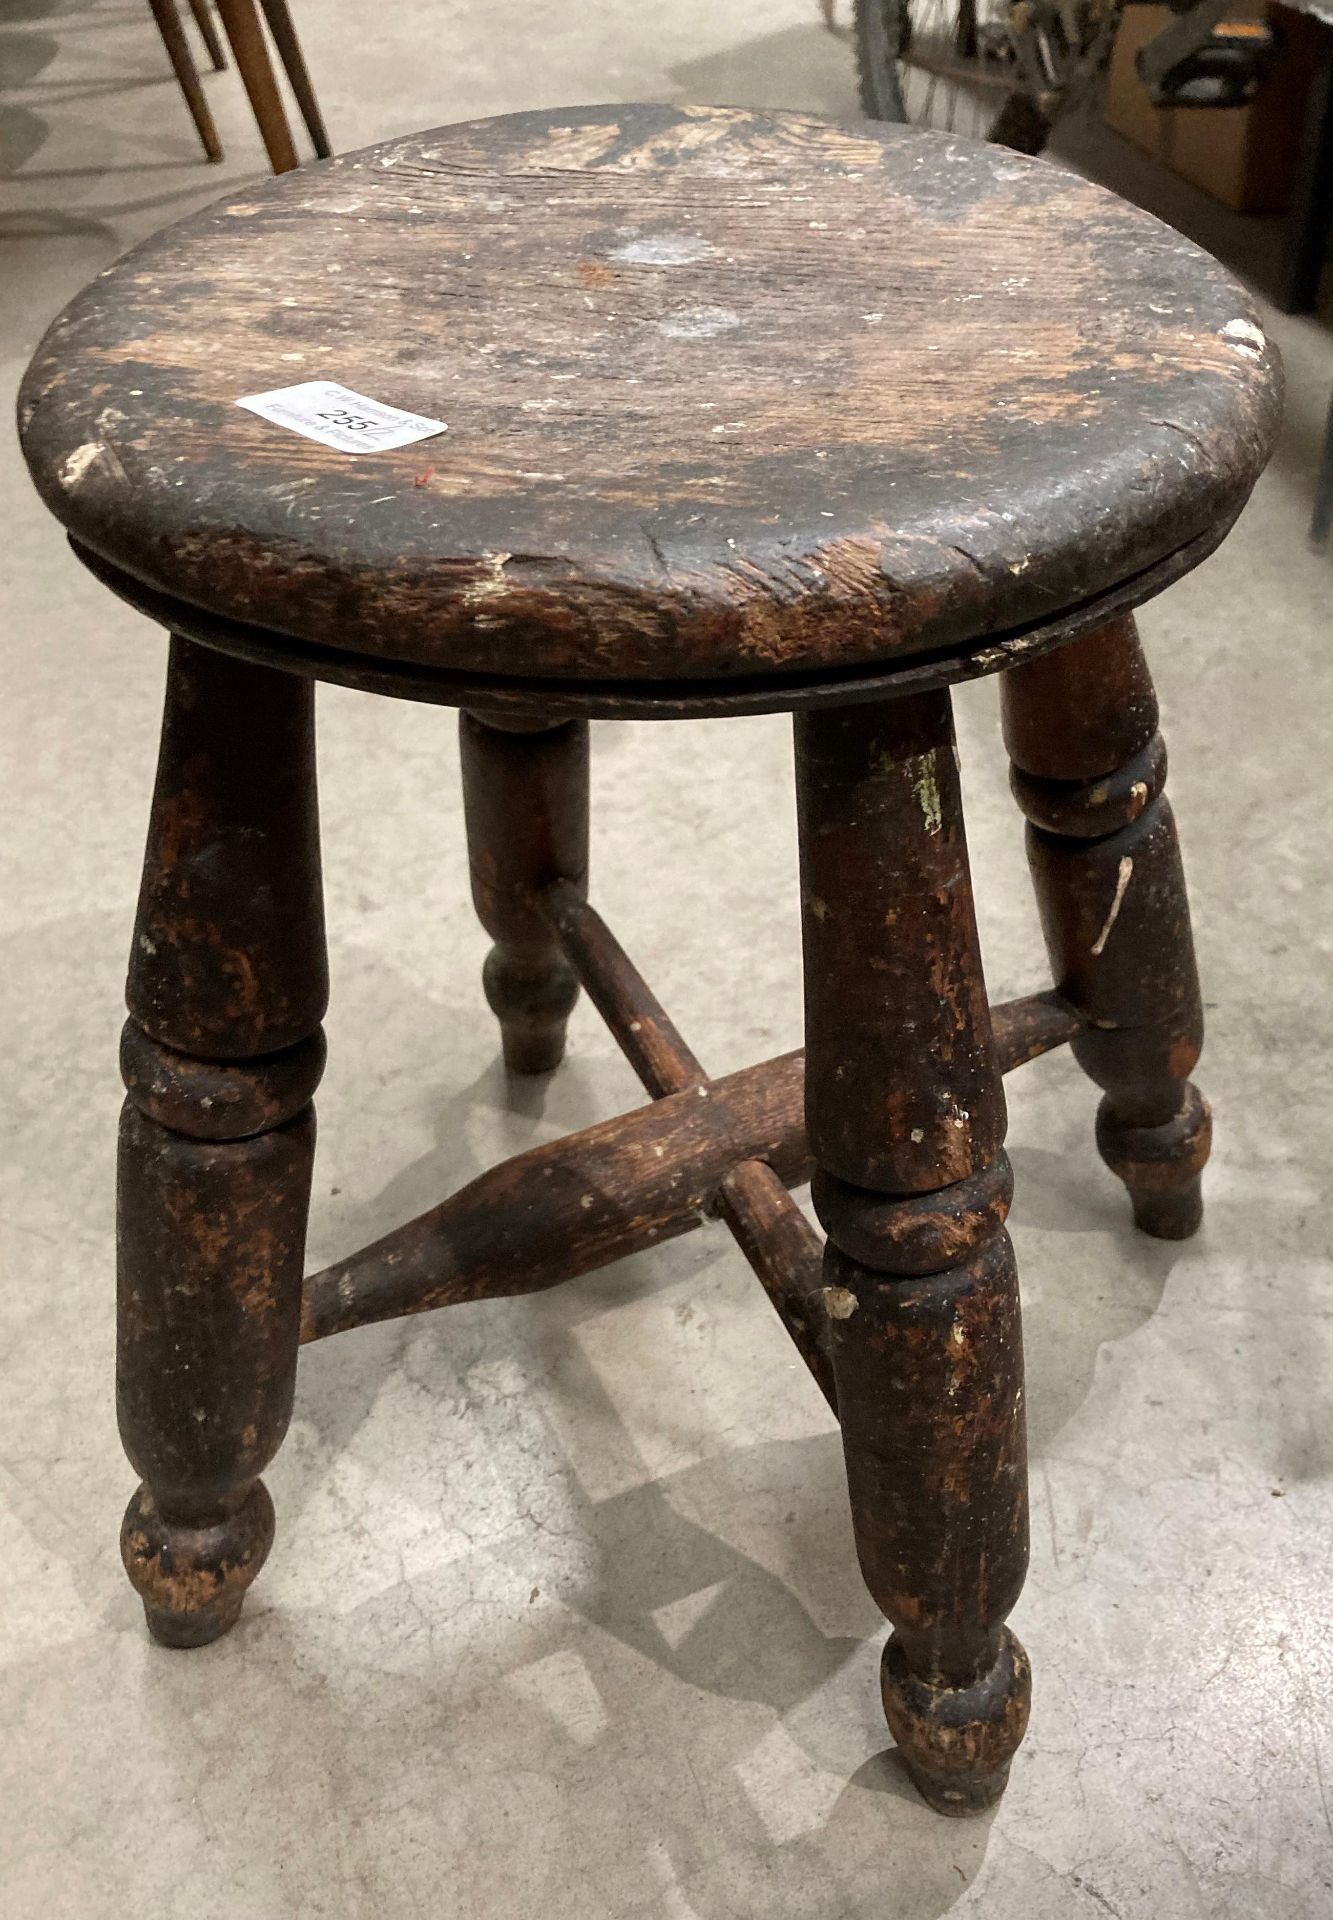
(754, 1639)
(24, 55)
(762, 1633)
(22, 134)
(16, 12)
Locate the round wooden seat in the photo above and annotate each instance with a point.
(727, 394)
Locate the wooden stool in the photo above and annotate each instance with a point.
(745, 413)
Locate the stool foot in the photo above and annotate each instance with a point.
(1160, 1165)
(533, 1003)
(525, 800)
(957, 1742)
(193, 1578)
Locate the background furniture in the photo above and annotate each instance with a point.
(250, 50)
(1306, 246)
(657, 498)
(182, 62)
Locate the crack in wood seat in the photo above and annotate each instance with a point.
(729, 395)
(744, 411)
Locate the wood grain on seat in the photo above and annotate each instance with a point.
(728, 394)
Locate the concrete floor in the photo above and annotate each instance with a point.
(564, 1618)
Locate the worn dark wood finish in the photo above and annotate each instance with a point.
(245, 36)
(208, 33)
(1038, 1023)
(703, 423)
(572, 1205)
(785, 1254)
(283, 29)
(187, 74)
(228, 960)
(525, 797)
(645, 1032)
(783, 1250)
(906, 1114)
(540, 703)
(1089, 768)
(223, 1052)
(887, 910)
(446, 1256)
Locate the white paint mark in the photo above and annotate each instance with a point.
(1245, 337)
(698, 323)
(663, 250)
(926, 789)
(492, 581)
(839, 1303)
(918, 1135)
(1121, 888)
(76, 464)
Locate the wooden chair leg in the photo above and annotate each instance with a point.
(250, 52)
(221, 1056)
(525, 798)
(187, 77)
(208, 33)
(1089, 768)
(905, 1110)
(283, 29)
(1305, 241)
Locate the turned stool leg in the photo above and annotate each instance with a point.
(221, 1056)
(1089, 768)
(905, 1109)
(525, 798)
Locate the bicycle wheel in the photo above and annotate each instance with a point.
(947, 64)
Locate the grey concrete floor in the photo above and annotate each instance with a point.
(564, 1617)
